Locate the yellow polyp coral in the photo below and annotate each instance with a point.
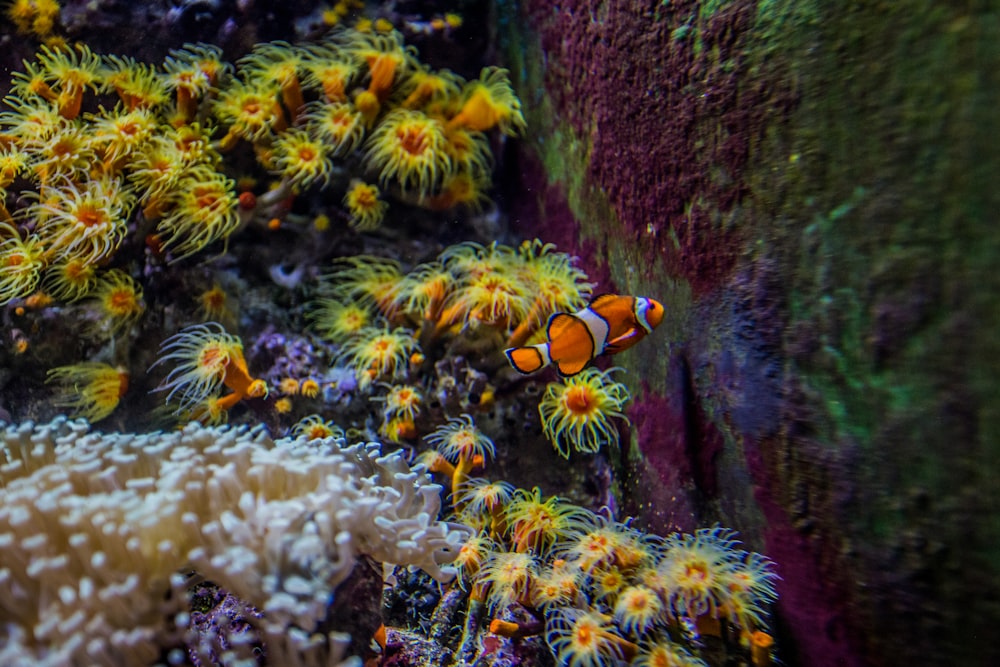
(21, 263)
(207, 359)
(65, 153)
(118, 299)
(215, 304)
(37, 17)
(557, 285)
(367, 280)
(585, 637)
(70, 279)
(279, 63)
(459, 440)
(330, 69)
(402, 400)
(577, 412)
(460, 189)
(490, 102)
(340, 125)
(192, 72)
(251, 110)
(89, 390)
(408, 147)
(423, 291)
(120, 134)
(301, 159)
(67, 73)
(384, 55)
(138, 85)
(425, 86)
(537, 525)
(363, 203)
(87, 222)
(314, 427)
(336, 321)
(378, 354)
(202, 209)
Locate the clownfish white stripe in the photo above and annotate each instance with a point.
(597, 326)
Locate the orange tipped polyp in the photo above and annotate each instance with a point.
(760, 648)
(503, 628)
(477, 114)
(291, 95)
(383, 71)
(70, 102)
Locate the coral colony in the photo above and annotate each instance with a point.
(128, 185)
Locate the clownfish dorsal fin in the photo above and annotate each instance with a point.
(602, 300)
(562, 323)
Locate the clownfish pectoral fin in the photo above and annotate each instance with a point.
(528, 359)
(625, 341)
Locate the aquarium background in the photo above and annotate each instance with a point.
(806, 187)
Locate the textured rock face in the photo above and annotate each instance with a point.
(808, 187)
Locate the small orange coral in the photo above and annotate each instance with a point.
(207, 359)
(490, 102)
(363, 203)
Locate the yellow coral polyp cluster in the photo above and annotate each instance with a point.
(511, 291)
(34, 17)
(378, 354)
(609, 592)
(419, 132)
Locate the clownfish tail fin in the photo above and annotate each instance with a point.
(528, 359)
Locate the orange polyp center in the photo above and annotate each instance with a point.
(696, 571)
(579, 401)
(213, 359)
(412, 140)
(15, 260)
(585, 635)
(62, 149)
(364, 198)
(76, 272)
(89, 216)
(307, 154)
(121, 301)
(317, 432)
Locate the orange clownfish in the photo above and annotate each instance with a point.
(610, 324)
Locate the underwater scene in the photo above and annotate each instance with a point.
(502, 333)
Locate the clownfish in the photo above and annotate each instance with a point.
(608, 325)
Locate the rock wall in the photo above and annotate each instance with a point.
(808, 187)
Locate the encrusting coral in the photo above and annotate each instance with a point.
(97, 532)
